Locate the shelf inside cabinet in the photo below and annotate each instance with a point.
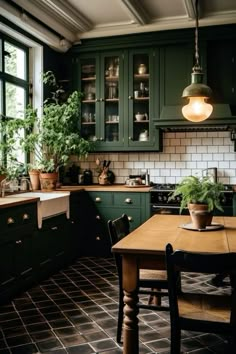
(88, 123)
(141, 77)
(112, 99)
(142, 98)
(111, 78)
(90, 78)
(88, 101)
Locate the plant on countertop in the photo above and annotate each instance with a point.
(54, 136)
(199, 190)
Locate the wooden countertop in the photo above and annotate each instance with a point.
(107, 188)
(8, 202)
(11, 201)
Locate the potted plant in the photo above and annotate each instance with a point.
(54, 136)
(201, 196)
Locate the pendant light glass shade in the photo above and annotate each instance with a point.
(197, 110)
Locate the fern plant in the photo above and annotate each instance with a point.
(198, 190)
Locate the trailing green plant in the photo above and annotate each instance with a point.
(198, 190)
(54, 136)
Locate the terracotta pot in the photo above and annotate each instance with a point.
(200, 215)
(2, 177)
(34, 179)
(48, 181)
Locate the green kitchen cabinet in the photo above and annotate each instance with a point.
(111, 205)
(88, 229)
(18, 225)
(100, 77)
(53, 246)
(221, 74)
(117, 107)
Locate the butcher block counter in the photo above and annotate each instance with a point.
(107, 188)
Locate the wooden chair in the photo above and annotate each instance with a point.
(202, 312)
(150, 281)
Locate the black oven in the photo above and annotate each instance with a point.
(160, 204)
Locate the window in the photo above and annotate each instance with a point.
(14, 84)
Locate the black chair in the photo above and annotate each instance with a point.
(202, 312)
(150, 281)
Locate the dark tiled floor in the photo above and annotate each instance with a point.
(75, 312)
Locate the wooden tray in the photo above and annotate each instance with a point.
(212, 227)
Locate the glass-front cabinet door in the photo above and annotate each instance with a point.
(102, 97)
(118, 104)
(111, 100)
(88, 86)
(140, 98)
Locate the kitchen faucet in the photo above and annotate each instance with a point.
(14, 186)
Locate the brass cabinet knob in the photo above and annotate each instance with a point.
(10, 221)
(97, 100)
(98, 200)
(128, 200)
(98, 217)
(102, 99)
(130, 138)
(98, 238)
(130, 218)
(130, 97)
(25, 216)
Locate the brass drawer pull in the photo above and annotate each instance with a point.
(54, 228)
(98, 199)
(128, 201)
(10, 221)
(26, 217)
(18, 242)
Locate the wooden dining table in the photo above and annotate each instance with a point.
(145, 248)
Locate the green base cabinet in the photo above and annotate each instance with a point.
(18, 225)
(111, 205)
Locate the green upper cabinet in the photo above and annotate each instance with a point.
(176, 62)
(221, 74)
(117, 109)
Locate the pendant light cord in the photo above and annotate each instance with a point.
(196, 67)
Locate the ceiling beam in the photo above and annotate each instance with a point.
(46, 15)
(70, 14)
(136, 11)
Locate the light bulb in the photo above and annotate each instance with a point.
(197, 109)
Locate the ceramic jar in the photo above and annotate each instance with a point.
(142, 69)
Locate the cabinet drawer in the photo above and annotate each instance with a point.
(99, 198)
(12, 218)
(127, 199)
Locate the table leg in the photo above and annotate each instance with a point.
(130, 327)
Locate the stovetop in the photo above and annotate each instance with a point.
(167, 187)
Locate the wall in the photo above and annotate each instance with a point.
(184, 153)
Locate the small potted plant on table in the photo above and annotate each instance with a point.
(201, 196)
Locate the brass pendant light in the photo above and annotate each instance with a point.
(197, 109)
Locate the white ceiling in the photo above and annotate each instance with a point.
(63, 23)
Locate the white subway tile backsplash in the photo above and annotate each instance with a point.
(184, 153)
(196, 157)
(207, 157)
(191, 149)
(223, 164)
(218, 157)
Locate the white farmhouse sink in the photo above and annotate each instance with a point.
(50, 203)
